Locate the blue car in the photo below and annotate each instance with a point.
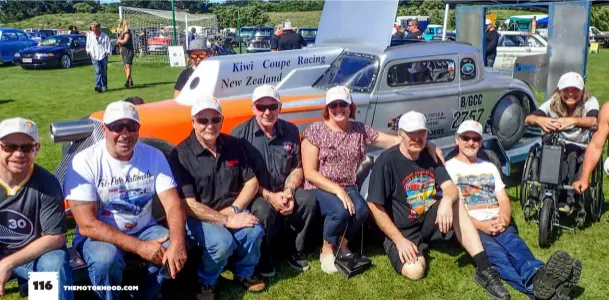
(11, 41)
(55, 51)
(309, 34)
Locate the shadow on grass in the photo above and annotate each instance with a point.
(141, 86)
(6, 101)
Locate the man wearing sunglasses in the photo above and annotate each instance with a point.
(110, 188)
(197, 52)
(274, 150)
(403, 201)
(483, 192)
(219, 184)
(32, 218)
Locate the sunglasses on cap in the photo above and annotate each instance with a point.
(119, 127)
(205, 121)
(263, 108)
(335, 104)
(25, 148)
(199, 56)
(466, 138)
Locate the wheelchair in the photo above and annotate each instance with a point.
(543, 209)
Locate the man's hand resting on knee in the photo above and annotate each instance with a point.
(408, 251)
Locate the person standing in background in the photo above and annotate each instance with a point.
(125, 41)
(534, 25)
(275, 38)
(98, 48)
(290, 38)
(492, 39)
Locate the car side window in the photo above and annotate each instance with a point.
(421, 72)
(468, 68)
(22, 37)
(80, 40)
(9, 36)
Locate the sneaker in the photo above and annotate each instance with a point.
(563, 290)
(206, 292)
(298, 262)
(327, 263)
(265, 269)
(557, 271)
(489, 279)
(252, 284)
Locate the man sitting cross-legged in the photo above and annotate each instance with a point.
(402, 201)
(488, 204)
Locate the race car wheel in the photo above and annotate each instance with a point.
(507, 119)
(157, 208)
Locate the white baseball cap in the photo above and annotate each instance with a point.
(19, 125)
(470, 126)
(338, 93)
(571, 79)
(413, 121)
(120, 110)
(264, 91)
(205, 102)
(488, 22)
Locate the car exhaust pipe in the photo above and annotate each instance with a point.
(68, 131)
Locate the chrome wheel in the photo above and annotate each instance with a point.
(66, 62)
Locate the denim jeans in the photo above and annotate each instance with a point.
(220, 243)
(52, 261)
(512, 258)
(490, 60)
(105, 264)
(101, 72)
(336, 217)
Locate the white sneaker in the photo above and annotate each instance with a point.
(327, 263)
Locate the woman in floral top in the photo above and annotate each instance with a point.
(331, 152)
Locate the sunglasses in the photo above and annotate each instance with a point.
(205, 121)
(200, 56)
(119, 127)
(468, 138)
(335, 104)
(25, 148)
(271, 107)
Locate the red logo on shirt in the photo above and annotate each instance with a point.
(233, 162)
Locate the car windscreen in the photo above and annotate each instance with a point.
(308, 32)
(56, 41)
(356, 71)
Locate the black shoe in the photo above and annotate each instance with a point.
(98, 89)
(127, 83)
(298, 262)
(206, 292)
(252, 284)
(563, 290)
(489, 279)
(265, 269)
(557, 271)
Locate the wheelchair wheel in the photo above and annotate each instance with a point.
(597, 198)
(525, 186)
(546, 222)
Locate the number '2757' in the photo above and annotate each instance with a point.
(460, 116)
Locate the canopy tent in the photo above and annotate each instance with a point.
(542, 21)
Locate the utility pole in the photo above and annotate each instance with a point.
(173, 21)
(239, 27)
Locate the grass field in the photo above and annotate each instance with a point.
(52, 95)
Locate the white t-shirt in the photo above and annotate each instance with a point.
(477, 184)
(123, 190)
(577, 135)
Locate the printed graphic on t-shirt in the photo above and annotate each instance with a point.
(477, 191)
(15, 229)
(420, 188)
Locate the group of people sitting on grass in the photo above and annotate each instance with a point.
(237, 196)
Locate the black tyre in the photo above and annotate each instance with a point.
(507, 119)
(526, 176)
(546, 222)
(158, 211)
(65, 61)
(527, 213)
(597, 199)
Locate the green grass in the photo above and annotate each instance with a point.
(52, 95)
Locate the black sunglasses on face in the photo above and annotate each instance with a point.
(205, 121)
(334, 104)
(25, 148)
(118, 127)
(468, 138)
(263, 108)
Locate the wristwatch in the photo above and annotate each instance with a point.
(236, 209)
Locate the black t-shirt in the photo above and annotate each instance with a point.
(291, 40)
(129, 43)
(416, 35)
(405, 188)
(492, 39)
(30, 211)
(399, 35)
(274, 42)
(183, 79)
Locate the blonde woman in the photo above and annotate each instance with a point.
(571, 111)
(125, 41)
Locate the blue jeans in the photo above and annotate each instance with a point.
(52, 261)
(220, 243)
(101, 72)
(105, 264)
(512, 258)
(336, 217)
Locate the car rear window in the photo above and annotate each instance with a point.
(421, 72)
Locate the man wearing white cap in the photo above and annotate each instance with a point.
(402, 200)
(219, 184)
(32, 215)
(110, 188)
(274, 150)
(483, 192)
(492, 40)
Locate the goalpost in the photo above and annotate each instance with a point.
(153, 32)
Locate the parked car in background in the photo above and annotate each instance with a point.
(308, 33)
(602, 38)
(55, 51)
(11, 41)
(261, 41)
(514, 44)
